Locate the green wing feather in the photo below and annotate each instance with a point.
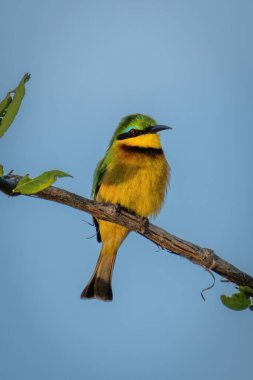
(97, 180)
(98, 176)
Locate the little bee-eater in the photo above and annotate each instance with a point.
(134, 174)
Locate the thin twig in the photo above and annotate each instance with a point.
(210, 286)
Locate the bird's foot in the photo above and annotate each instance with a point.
(118, 209)
(145, 226)
(144, 223)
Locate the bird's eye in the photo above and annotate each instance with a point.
(134, 132)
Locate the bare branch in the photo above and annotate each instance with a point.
(202, 256)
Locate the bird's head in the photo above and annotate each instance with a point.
(138, 130)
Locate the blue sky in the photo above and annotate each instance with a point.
(188, 64)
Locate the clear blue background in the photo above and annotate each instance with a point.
(188, 64)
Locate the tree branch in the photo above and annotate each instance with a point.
(202, 256)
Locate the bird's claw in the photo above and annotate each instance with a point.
(118, 209)
(145, 226)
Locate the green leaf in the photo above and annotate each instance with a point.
(246, 290)
(59, 173)
(24, 180)
(1, 170)
(29, 186)
(9, 106)
(4, 105)
(238, 301)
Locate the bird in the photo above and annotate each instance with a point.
(133, 174)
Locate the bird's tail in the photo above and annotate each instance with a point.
(99, 285)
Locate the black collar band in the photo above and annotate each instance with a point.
(142, 150)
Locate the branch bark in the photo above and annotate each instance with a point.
(201, 256)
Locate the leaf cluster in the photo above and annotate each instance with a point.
(29, 185)
(9, 108)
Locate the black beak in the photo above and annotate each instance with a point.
(156, 128)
